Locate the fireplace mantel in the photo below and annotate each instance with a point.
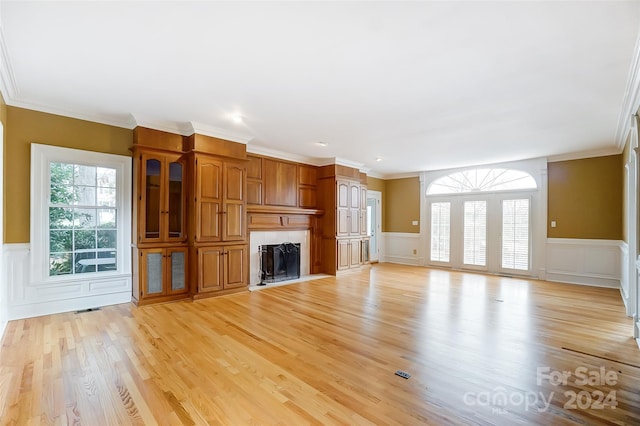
(275, 218)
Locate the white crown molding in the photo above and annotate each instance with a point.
(600, 152)
(375, 174)
(401, 175)
(217, 132)
(268, 152)
(124, 121)
(8, 84)
(631, 100)
(162, 125)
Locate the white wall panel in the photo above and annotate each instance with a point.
(580, 261)
(26, 299)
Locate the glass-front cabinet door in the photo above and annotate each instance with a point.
(162, 198)
(152, 266)
(177, 264)
(151, 198)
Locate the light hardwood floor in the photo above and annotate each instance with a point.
(326, 351)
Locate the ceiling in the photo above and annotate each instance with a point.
(419, 85)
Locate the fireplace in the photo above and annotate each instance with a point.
(268, 237)
(279, 262)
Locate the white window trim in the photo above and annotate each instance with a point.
(41, 157)
(537, 168)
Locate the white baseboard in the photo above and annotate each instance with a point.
(403, 260)
(37, 309)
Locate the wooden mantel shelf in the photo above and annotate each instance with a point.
(275, 218)
(282, 210)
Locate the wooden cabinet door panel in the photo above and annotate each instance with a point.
(354, 222)
(210, 269)
(343, 254)
(254, 192)
(235, 266)
(343, 194)
(280, 183)
(234, 225)
(208, 221)
(151, 200)
(363, 210)
(306, 175)
(307, 197)
(208, 200)
(209, 183)
(176, 259)
(354, 196)
(342, 225)
(354, 253)
(152, 271)
(234, 182)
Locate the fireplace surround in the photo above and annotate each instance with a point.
(279, 262)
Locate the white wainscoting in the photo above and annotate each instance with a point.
(398, 247)
(26, 299)
(582, 261)
(624, 278)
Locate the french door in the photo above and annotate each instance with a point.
(485, 232)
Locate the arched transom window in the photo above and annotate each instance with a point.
(482, 180)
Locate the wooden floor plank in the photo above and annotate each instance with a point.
(325, 352)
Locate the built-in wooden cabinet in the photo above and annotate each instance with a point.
(342, 195)
(189, 216)
(163, 273)
(349, 254)
(220, 204)
(222, 268)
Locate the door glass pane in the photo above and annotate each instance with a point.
(177, 270)
(154, 273)
(515, 234)
(152, 199)
(440, 231)
(175, 199)
(475, 233)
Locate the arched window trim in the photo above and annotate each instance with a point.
(521, 167)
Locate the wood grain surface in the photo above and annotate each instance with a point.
(325, 352)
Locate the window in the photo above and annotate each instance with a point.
(475, 233)
(80, 215)
(440, 231)
(82, 219)
(515, 234)
(482, 180)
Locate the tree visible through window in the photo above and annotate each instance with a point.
(82, 219)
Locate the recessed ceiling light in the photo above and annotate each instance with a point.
(236, 118)
(378, 159)
(322, 144)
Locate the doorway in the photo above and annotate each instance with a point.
(374, 223)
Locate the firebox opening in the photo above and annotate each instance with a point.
(279, 262)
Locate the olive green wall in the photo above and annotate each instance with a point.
(585, 198)
(22, 127)
(401, 205)
(375, 184)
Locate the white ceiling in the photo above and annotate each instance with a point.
(422, 85)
